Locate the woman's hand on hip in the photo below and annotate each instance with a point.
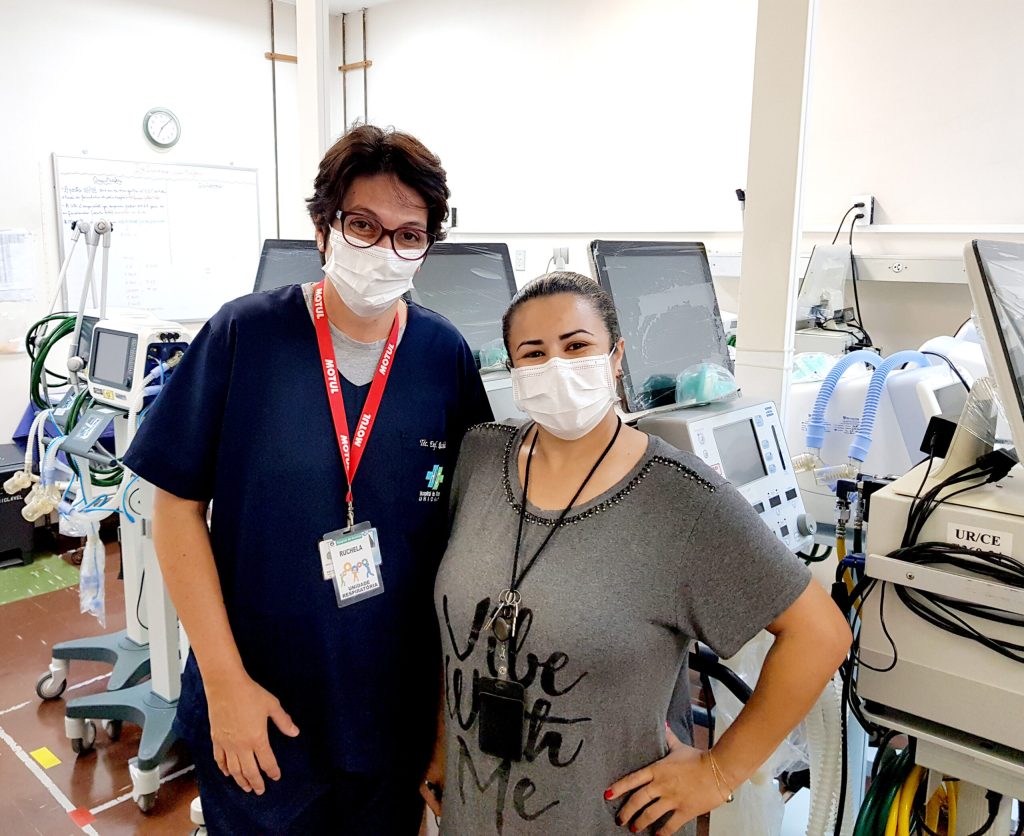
(432, 788)
(681, 785)
(239, 714)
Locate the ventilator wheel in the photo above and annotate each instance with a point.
(82, 745)
(146, 802)
(49, 689)
(113, 729)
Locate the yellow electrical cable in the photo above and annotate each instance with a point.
(934, 809)
(906, 803)
(953, 795)
(890, 823)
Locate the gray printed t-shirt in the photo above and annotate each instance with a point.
(669, 554)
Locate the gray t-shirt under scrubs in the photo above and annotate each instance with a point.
(670, 554)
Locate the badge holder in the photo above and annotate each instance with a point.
(502, 717)
(350, 557)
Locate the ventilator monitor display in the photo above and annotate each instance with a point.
(668, 313)
(469, 284)
(740, 452)
(285, 262)
(113, 358)
(996, 278)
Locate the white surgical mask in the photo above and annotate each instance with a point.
(369, 279)
(568, 398)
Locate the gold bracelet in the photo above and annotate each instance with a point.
(716, 770)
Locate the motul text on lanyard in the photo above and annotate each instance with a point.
(351, 450)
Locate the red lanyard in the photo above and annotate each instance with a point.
(351, 449)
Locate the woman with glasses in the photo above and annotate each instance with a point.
(322, 421)
(584, 558)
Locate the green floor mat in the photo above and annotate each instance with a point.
(45, 574)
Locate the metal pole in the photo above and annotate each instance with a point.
(366, 87)
(273, 89)
(344, 76)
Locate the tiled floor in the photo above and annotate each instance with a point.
(46, 573)
(37, 800)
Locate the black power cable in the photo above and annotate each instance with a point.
(854, 276)
(949, 363)
(842, 223)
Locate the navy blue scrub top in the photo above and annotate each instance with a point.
(244, 421)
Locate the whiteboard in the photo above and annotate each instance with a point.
(186, 238)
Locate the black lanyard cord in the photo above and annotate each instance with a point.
(516, 582)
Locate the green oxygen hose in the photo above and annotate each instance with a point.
(901, 771)
(882, 793)
(30, 335)
(39, 361)
(102, 477)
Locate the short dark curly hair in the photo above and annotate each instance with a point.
(565, 281)
(367, 150)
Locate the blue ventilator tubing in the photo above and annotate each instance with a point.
(816, 424)
(862, 441)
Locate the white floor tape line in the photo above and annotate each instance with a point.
(43, 778)
(14, 708)
(122, 798)
(89, 681)
(71, 688)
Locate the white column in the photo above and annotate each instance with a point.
(771, 234)
(312, 48)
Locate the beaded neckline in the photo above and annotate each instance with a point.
(610, 502)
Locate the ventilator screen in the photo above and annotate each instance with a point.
(286, 262)
(668, 313)
(469, 284)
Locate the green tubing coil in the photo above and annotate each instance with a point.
(882, 794)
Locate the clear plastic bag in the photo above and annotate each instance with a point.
(91, 597)
(758, 807)
(704, 383)
(493, 355)
(811, 366)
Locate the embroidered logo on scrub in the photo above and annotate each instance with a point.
(435, 476)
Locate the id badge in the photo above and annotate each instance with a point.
(351, 559)
(501, 719)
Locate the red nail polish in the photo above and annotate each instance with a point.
(632, 829)
(608, 794)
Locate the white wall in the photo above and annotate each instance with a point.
(576, 116)
(552, 118)
(78, 80)
(922, 103)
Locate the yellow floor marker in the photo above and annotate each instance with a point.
(45, 758)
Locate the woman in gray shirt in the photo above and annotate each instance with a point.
(584, 558)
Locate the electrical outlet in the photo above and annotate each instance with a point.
(869, 209)
(520, 260)
(560, 256)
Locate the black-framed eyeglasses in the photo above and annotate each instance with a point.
(408, 242)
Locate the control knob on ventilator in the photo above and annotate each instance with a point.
(806, 525)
